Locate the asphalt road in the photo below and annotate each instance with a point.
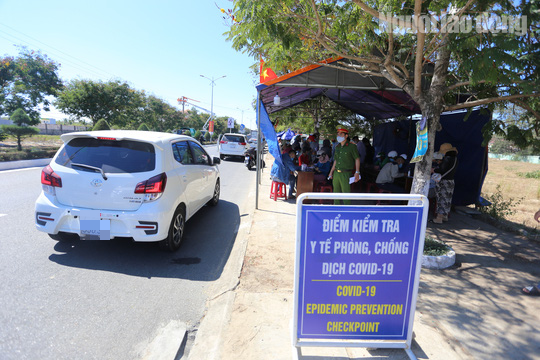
(110, 299)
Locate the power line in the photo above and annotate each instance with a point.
(99, 71)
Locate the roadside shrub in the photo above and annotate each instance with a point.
(500, 207)
(27, 154)
(433, 247)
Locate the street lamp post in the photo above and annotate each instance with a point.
(212, 82)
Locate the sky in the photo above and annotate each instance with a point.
(160, 46)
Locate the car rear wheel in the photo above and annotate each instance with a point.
(215, 198)
(176, 231)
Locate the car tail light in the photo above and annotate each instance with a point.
(222, 142)
(243, 143)
(152, 188)
(50, 178)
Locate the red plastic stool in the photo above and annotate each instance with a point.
(325, 188)
(278, 190)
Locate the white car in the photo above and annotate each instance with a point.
(232, 145)
(115, 183)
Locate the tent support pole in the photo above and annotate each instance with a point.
(259, 150)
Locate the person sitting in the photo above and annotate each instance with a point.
(388, 159)
(285, 173)
(327, 147)
(324, 165)
(285, 147)
(387, 175)
(305, 158)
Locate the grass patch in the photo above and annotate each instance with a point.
(433, 247)
(530, 174)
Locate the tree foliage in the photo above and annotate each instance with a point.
(143, 127)
(21, 128)
(449, 67)
(26, 82)
(101, 124)
(113, 100)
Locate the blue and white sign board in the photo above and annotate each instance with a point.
(230, 123)
(357, 270)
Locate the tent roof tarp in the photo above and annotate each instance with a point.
(369, 96)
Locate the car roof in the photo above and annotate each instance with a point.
(234, 134)
(146, 136)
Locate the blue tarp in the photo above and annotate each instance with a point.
(466, 136)
(286, 135)
(267, 129)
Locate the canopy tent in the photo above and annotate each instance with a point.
(373, 98)
(370, 96)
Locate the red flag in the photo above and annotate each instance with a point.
(266, 74)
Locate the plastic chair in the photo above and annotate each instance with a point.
(278, 190)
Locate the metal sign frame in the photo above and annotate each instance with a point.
(415, 202)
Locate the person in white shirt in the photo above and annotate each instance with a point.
(389, 172)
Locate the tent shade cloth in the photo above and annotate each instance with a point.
(370, 96)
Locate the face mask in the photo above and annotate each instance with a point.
(400, 166)
(340, 139)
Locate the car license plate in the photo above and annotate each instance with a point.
(92, 227)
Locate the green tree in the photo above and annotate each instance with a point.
(158, 114)
(448, 68)
(102, 124)
(21, 128)
(26, 82)
(114, 101)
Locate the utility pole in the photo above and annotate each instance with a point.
(212, 82)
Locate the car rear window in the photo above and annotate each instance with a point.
(234, 138)
(112, 156)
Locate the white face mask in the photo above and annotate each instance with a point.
(340, 139)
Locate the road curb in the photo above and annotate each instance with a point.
(209, 338)
(10, 165)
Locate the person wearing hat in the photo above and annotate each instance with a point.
(324, 165)
(346, 163)
(444, 188)
(389, 172)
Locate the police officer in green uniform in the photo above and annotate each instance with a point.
(346, 162)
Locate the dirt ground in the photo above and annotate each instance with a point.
(510, 175)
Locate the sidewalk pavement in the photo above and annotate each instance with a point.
(474, 310)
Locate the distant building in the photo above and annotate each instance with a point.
(48, 121)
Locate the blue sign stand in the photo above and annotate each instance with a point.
(357, 271)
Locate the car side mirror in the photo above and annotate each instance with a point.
(216, 160)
